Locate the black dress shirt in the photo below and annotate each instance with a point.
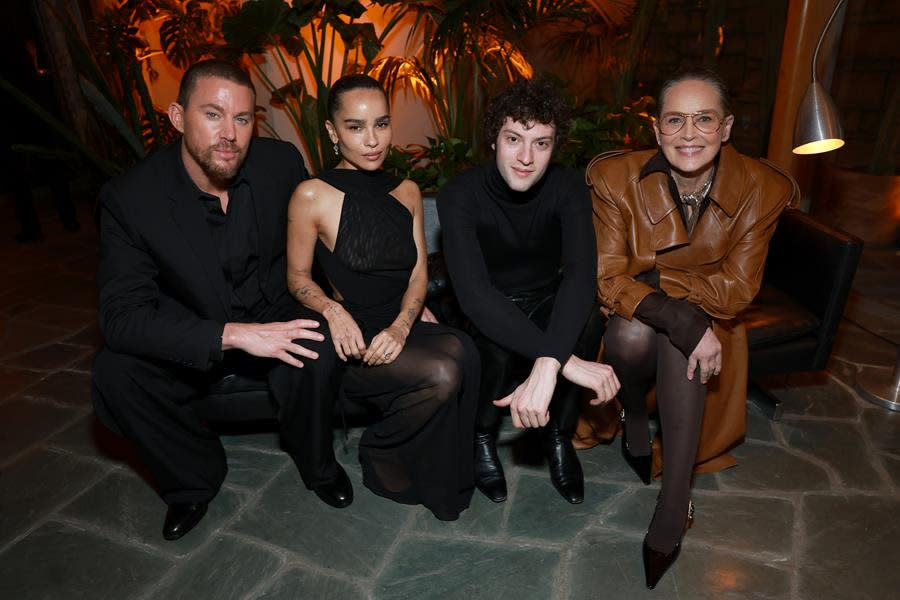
(235, 237)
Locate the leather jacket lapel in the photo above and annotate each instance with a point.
(667, 228)
(730, 182)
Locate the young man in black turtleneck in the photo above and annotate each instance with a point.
(521, 251)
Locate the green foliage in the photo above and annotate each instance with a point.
(598, 128)
(300, 38)
(431, 166)
(111, 58)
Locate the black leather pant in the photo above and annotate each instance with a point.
(503, 370)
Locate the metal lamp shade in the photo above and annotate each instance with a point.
(818, 128)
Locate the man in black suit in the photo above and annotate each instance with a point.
(192, 280)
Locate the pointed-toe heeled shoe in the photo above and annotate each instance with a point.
(656, 563)
(181, 517)
(489, 476)
(565, 468)
(641, 465)
(337, 492)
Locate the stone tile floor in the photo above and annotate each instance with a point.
(810, 512)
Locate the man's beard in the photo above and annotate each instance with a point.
(215, 171)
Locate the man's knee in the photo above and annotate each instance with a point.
(121, 379)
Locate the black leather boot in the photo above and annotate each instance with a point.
(489, 476)
(565, 468)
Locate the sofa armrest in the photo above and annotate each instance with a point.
(814, 264)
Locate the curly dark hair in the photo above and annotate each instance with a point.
(528, 100)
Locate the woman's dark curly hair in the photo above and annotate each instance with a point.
(528, 100)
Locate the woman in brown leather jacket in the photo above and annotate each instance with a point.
(682, 236)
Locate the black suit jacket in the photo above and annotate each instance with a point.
(162, 291)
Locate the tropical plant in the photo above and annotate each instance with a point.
(462, 52)
(431, 165)
(113, 61)
(597, 128)
(309, 40)
(188, 29)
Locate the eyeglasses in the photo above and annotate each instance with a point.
(705, 121)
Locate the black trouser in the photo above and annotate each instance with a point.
(503, 370)
(148, 401)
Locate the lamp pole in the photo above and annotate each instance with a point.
(806, 20)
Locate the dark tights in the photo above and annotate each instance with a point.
(420, 451)
(642, 357)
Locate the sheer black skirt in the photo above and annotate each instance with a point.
(421, 449)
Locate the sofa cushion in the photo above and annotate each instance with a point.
(773, 317)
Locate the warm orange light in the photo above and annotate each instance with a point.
(819, 146)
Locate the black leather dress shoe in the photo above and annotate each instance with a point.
(489, 476)
(642, 465)
(338, 492)
(181, 518)
(565, 468)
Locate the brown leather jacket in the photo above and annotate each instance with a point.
(639, 228)
(720, 267)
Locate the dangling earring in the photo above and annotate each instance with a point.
(337, 151)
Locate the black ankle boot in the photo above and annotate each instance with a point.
(488, 470)
(565, 468)
(656, 563)
(642, 465)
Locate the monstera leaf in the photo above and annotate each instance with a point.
(252, 29)
(295, 88)
(350, 8)
(303, 13)
(183, 34)
(356, 33)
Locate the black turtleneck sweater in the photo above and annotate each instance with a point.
(498, 242)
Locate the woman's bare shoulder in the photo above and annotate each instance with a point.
(408, 193)
(315, 195)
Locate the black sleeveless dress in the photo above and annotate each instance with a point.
(421, 450)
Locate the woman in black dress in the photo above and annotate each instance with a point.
(366, 229)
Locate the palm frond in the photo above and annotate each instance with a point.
(614, 13)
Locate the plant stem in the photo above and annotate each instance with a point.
(147, 102)
(640, 27)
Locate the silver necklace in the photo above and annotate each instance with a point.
(697, 197)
